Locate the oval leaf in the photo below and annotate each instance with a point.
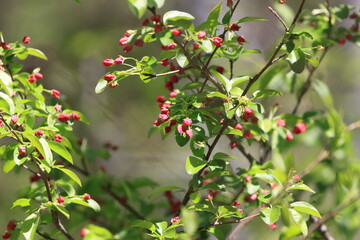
(176, 15)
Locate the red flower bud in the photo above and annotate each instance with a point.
(39, 133)
(108, 62)
(38, 76)
(220, 69)
(26, 40)
(58, 138)
(299, 128)
(187, 121)
(109, 77)
(10, 226)
(32, 78)
(201, 35)
(75, 116)
(175, 219)
(86, 197)
(241, 39)
(60, 199)
(14, 119)
(139, 43)
(63, 117)
(127, 49)
(55, 93)
(119, 60)
(248, 135)
(176, 32)
(123, 41)
(238, 126)
(217, 41)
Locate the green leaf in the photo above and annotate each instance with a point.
(270, 215)
(176, 15)
(297, 60)
(181, 59)
(21, 202)
(227, 17)
(97, 233)
(206, 45)
(100, 86)
(62, 209)
(249, 19)
(163, 189)
(235, 132)
(42, 146)
(299, 220)
(221, 155)
(138, 7)
(71, 174)
(195, 197)
(216, 94)
(300, 186)
(10, 103)
(305, 207)
(89, 203)
(36, 53)
(144, 224)
(190, 220)
(216, 231)
(266, 93)
(6, 83)
(193, 164)
(225, 82)
(215, 13)
(29, 226)
(236, 81)
(61, 150)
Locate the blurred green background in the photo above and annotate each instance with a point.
(77, 37)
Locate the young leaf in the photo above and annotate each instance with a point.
(300, 186)
(29, 226)
(21, 202)
(9, 101)
(138, 7)
(249, 19)
(225, 82)
(305, 207)
(71, 174)
(176, 15)
(36, 53)
(144, 224)
(6, 83)
(270, 215)
(193, 165)
(61, 150)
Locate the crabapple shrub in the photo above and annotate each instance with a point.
(205, 102)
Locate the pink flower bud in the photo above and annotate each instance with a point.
(281, 123)
(189, 133)
(217, 41)
(238, 126)
(32, 78)
(123, 41)
(26, 40)
(38, 76)
(63, 117)
(108, 62)
(180, 128)
(75, 116)
(299, 128)
(14, 119)
(201, 35)
(58, 138)
(39, 133)
(187, 121)
(175, 219)
(109, 77)
(119, 60)
(55, 93)
(58, 107)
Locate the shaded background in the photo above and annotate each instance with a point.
(77, 37)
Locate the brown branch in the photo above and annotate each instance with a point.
(280, 19)
(198, 174)
(124, 204)
(44, 236)
(245, 219)
(273, 58)
(322, 156)
(150, 76)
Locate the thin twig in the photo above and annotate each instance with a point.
(280, 19)
(44, 236)
(245, 219)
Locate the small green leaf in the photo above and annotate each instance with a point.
(235, 132)
(61, 150)
(305, 207)
(195, 197)
(6, 83)
(300, 186)
(36, 53)
(297, 60)
(100, 86)
(190, 220)
(249, 19)
(270, 215)
(29, 226)
(144, 224)
(10, 103)
(215, 13)
(71, 174)
(220, 155)
(225, 82)
(21, 202)
(193, 164)
(176, 15)
(138, 7)
(89, 203)
(62, 209)
(266, 93)
(236, 81)
(216, 94)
